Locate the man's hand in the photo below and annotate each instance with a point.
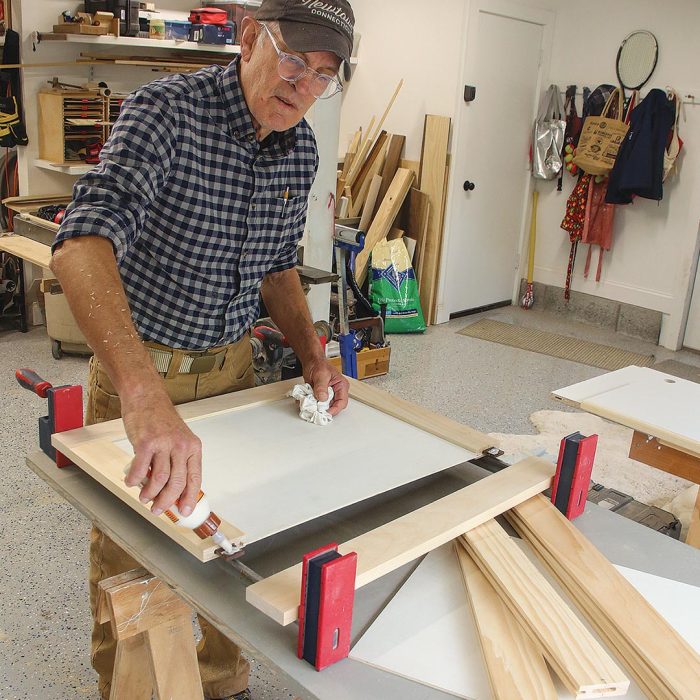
(168, 455)
(322, 374)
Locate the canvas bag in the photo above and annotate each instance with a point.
(548, 136)
(675, 143)
(601, 138)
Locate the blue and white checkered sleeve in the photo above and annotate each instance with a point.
(112, 199)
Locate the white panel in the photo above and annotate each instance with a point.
(427, 632)
(265, 470)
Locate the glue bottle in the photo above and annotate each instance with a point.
(202, 520)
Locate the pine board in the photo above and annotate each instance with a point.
(659, 659)
(27, 249)
(430, 606)
(516, 668)
(398, 542)
(432, 181)
(582, 664)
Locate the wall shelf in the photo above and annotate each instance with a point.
(66, 168)
(110, 40)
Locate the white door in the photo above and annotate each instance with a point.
(506, 45)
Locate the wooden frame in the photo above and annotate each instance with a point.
(95, 445)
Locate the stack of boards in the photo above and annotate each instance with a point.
(388, 197)
(533, 643)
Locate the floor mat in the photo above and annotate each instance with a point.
(555, 345)
(679, 369)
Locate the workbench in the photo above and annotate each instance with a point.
(217, 590)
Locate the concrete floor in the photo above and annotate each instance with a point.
(45, 625)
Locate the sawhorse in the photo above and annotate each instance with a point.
(155, 645)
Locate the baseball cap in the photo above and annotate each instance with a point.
(312, 25)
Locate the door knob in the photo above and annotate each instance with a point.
(468, 186)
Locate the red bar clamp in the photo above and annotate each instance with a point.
(65, 410)
(573, 476)
(325, 611)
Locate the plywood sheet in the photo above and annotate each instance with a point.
(265, 470)
(649, 401)
(427, 632)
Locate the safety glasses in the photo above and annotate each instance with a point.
(293, 69)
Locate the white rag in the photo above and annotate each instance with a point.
(310, 409)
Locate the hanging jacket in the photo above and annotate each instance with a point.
(639, 167)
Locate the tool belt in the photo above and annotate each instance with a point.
(191, 361)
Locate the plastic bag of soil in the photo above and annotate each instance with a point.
(393, 282)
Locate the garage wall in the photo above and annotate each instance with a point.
(654, 252)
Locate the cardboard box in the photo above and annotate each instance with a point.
(104, 20)
(370, 363)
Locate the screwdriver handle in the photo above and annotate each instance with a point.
(29, 379)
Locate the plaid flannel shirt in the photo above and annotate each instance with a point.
(195, 207)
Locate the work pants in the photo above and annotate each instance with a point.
(223, 669)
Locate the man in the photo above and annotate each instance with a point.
(197, 205)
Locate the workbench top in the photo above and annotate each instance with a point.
(217, 590)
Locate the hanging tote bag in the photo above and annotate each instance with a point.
(548, 136)
(675, 143)
(601, 138)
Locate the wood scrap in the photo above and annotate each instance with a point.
(660, 660)
(580, 661)
(515, 667)
(369, 167)
(351, 153)
(432, 181)
(417, 225)
(359, 158)
(391, 163)
(394, 234)
(370, 202)
(376, 166)
(384, 219)
(371, 136)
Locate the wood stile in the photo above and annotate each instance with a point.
(384, 219)
(398, 542)
(515, 666)
(372, 135)
(661, 661)
(372, 166)
(361, 154)
(359, 201)
(418, 212)
(391, 164)
(432, 181)
(433, 314)
(339, 188)
(351, 153)
(342, 208)
(370, 202)
(413, 165)
(27, 249)
(582, 664)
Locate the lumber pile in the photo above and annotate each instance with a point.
(389, 197)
